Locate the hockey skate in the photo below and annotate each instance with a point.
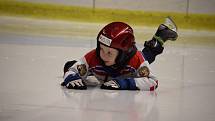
(166, 31)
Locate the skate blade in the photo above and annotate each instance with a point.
(170, 24)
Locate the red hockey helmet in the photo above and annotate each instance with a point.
(120, 36)
(117, 35)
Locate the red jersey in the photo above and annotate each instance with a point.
(137, 68)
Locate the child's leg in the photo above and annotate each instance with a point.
(154, 47)
(150, 52)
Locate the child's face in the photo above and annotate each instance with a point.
(108, 55)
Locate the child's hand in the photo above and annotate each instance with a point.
(75, 84)
(112, 85)
(122, 84)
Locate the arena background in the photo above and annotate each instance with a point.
(34, 50)
(183, 6)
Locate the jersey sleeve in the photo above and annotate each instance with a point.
(143, 78)
(80, 70)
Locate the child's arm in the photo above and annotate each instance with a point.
(73, 78)
(143, 80)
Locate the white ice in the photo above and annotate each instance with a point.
(31, 72)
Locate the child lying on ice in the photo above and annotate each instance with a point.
(116, 63)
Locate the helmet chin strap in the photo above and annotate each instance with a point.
(123, 57)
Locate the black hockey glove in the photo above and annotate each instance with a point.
(75, 84)
(122, 84)
(111, 85)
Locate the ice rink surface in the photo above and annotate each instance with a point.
(31, 72)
